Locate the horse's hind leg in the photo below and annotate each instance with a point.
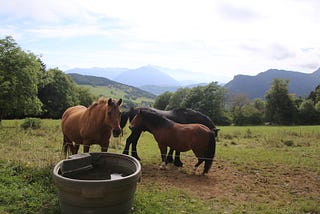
(67, 146)
(200, 160)
(163, 151)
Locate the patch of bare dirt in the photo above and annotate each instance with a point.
(234, 183)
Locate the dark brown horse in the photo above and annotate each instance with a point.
(92, 125)
(180, 115)
(180, 137)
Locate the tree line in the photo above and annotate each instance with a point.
(279, 106)
(27, 88)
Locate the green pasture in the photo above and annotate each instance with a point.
(27, 158)
(116, 93)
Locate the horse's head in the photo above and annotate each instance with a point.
(113, 117)
(137, 120)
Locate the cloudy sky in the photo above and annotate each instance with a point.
(215, 39)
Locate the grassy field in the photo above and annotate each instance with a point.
(116, 94)
(263, 169)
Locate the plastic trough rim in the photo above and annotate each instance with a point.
(136, 173)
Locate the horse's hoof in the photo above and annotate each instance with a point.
(163, 166)
(169, 159)
(136, 157)
(178, 163)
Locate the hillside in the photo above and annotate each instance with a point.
(109, 88)
(153, 79)
(301, 84)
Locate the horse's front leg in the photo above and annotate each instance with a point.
(169, 156)
(105, 146)
(127, 146)
(163, 151)
(133, 139)
(75, 148)
(177, 161)
(86, 147)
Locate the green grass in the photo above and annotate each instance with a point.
(27, 158)
(248, 145)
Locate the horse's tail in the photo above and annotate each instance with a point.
(66, 146)
(210, 153)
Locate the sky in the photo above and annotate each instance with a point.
(212, 39)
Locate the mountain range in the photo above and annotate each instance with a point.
(153, 79)
(156, 80)
(300, 84)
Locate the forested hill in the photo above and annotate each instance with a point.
(94, 81)
(301, 84)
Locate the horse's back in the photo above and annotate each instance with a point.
(74, 110)
(187, 116)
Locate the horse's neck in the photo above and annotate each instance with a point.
(95, 118)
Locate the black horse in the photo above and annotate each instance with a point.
(181, 115)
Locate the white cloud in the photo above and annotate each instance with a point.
(218, 38)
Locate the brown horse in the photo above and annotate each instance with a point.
(180, 137)
(92, 125)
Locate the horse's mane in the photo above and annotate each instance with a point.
(101, 100)
(125, 115)
(155, 119)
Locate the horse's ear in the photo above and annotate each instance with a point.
(109, 101)
(119, 102)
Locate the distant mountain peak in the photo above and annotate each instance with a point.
(317, 71)
(146, 75)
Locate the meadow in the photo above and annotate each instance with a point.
(257, 169)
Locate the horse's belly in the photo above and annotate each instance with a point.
(71, 122)
(179, 144)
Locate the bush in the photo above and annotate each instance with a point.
(33, 123)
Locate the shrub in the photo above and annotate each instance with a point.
(33, 123)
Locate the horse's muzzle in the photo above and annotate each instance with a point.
(116, 132)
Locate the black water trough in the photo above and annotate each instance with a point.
(98, 182)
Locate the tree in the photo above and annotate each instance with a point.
(279, 105)
(315, 95)
(212, 103)
(19, 79)
(162, 100)
(209, 100)
(176, 98)
(57, 93)
(193, 98)
(245, 112)
(84, 96)
(308, 113)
